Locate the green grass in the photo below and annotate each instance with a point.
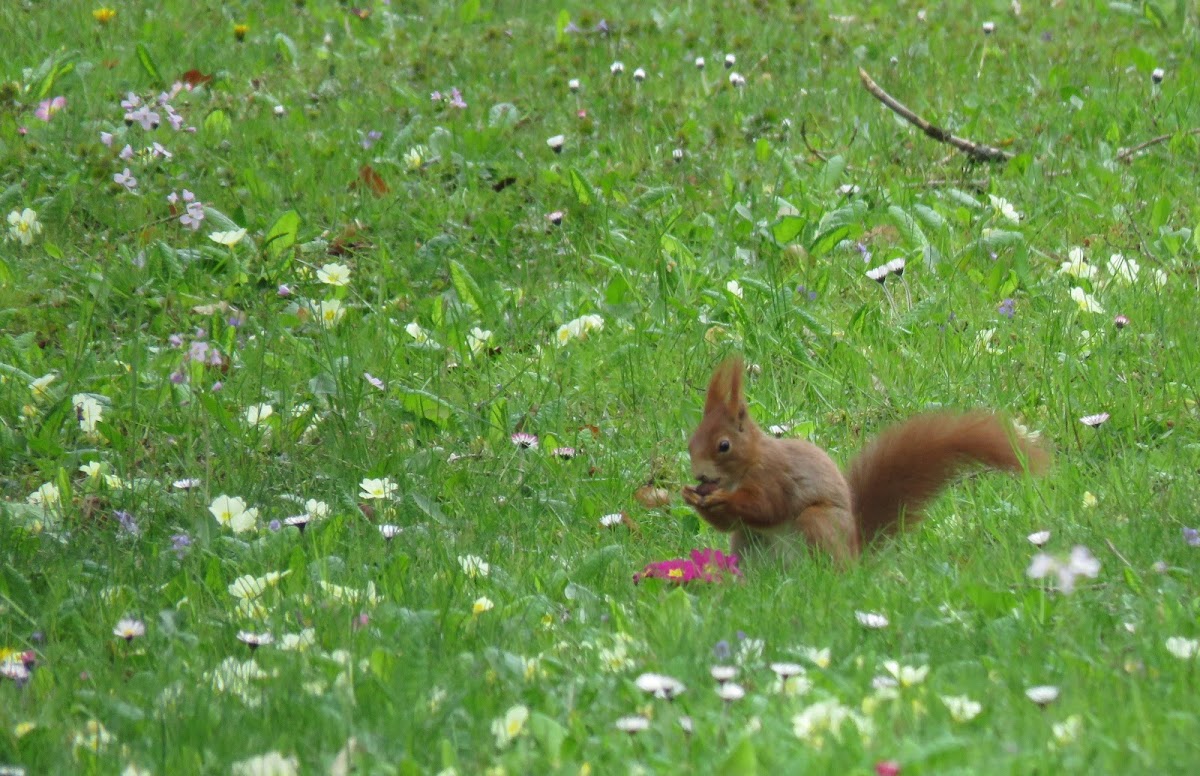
(461, 240)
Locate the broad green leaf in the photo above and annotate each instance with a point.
(550, 736)
(143, 55)
(217, 124)
(618, 290)
(583, 189)
(560, 26)
(963, 198)
(468, 12)
(787, 229)
(222, 222)
(741, 761)
(49, 74)
(1155, 15)
(282, 234)
(832, 172)
(930, 217)
(286, 48)
(849, 213)
(674, 249)
(426, 406)
(996, 238)
(429, 507)
(908, 227)
(465, 286)
(827, 241)
(498, 420)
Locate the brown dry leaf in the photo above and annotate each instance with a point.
(349, 240)
(194, 77)
(368, 178)
(651, 496)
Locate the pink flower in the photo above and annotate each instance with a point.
(47, 108)
(712, 563)
(703, 565)
(678, 570)
(126, 179)
(194, 212)
(524, 441)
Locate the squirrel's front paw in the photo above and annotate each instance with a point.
(704, 495)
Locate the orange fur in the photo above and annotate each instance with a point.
(760, 488)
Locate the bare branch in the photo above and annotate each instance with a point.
(1127, 154)
(977, 151)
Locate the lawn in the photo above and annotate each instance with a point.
(349, 356)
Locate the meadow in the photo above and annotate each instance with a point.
(349, 354)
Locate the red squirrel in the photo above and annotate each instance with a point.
(760, 488)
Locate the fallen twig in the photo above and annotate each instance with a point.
(977, 151)
(976, 184)
(1117, 552)
(1126, 154)
(817, 153)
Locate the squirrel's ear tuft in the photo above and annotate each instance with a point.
(725, 389)
(714, 401)
(736, 402)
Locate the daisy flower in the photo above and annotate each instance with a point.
(129, 629)
(659, 685)
(961, 708)
(23, 226)
(632, 725)
(524, 441)
(374, 489)
(1038, 538)
(511, 725)
(871, 620)
(1182, 648)
(334, 275)
(255, 640)
(730, 692)
(474, 566)
(229, 238)
(231, 511)
(1043, 694)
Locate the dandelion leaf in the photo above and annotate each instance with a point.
(741, 761)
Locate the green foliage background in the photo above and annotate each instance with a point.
(443, 221)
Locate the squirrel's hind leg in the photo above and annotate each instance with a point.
(831, 529)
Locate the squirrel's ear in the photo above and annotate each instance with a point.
(725, 390)
(736, 402)
(718, 392)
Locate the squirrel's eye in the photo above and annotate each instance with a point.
(723, 446)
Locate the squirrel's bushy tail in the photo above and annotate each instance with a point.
(902, 469)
